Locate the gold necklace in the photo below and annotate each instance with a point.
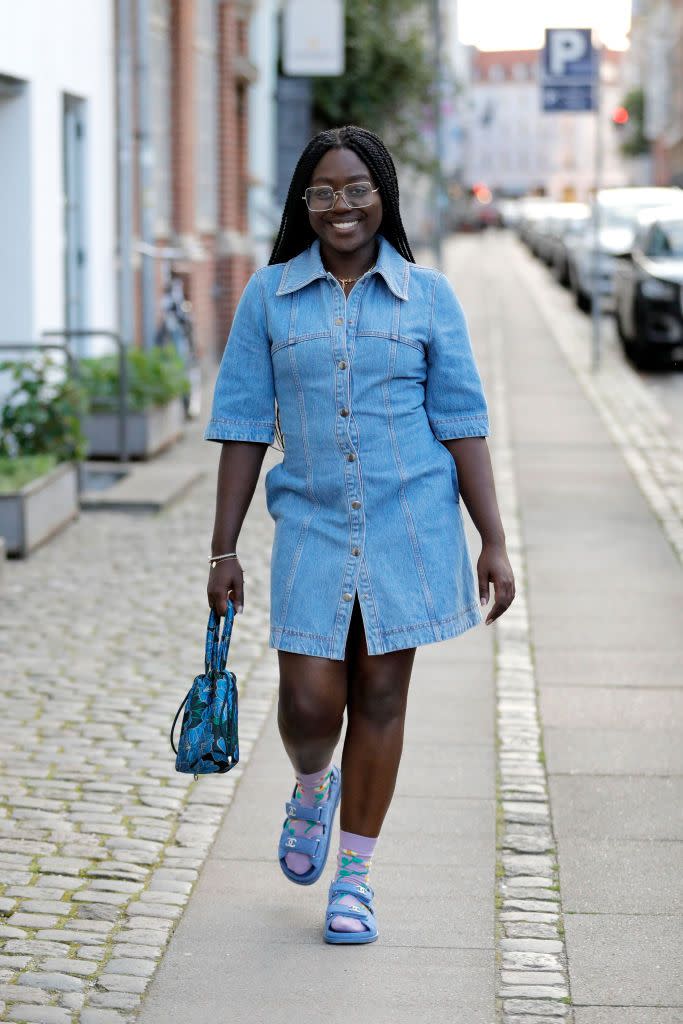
(343, 281)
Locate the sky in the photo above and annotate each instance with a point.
(519, 24)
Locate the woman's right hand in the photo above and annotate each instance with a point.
(226, 578)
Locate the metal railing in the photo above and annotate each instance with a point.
(122, 349)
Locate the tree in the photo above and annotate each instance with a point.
(388, 79)
(635, 143)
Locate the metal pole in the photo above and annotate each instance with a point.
(596, 305)
(125, 158)
(145, 172)
(439, 193)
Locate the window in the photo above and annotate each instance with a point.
(160, 97)
(206, 115)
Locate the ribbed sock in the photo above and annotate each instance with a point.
(311, 790)
(354, 860)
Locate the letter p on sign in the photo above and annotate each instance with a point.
(566, 46)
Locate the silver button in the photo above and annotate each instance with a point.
(355, 504)
(342, 364)
(355, 551)
(348, 597)
(351, 457)
(339, 321)
(343, 412)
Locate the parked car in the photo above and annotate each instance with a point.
(619, 209)
(569, 223)
(648, 290)
(532, 210)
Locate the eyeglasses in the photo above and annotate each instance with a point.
(322, 197)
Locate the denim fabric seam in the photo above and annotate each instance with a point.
(464, 613)
(426, 591)
(309, 486)
(431, 312)
(296, 339)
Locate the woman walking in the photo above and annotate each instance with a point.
(360, 361)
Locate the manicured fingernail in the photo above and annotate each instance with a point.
(240, 609)
(483, 600)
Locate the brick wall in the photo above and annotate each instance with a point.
(216, 263)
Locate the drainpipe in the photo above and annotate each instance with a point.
(145, 175)
(124, 78)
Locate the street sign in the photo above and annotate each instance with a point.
(569, 70)
(313, 37)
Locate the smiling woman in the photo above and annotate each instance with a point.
(384, 422)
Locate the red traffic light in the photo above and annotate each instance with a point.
(620, 115)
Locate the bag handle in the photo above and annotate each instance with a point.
(212, 640)
(224, 645)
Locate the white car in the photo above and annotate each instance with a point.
(619, 210)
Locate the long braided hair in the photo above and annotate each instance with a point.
(296, 234)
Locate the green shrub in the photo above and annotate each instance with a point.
(17, 472)
(155, 377)
(40, 413)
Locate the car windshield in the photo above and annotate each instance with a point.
(666, 241)
(618, 217)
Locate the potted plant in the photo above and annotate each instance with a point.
(156, 384)
(40, 444)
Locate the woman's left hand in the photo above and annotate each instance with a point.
(494, 567)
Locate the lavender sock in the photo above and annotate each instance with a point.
(311, 790)
(354, 860)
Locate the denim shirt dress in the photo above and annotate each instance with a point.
(365, 500)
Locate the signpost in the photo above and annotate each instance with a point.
(313, 37)
(570, 81)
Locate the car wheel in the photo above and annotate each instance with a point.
(582, 299)
(642, 356)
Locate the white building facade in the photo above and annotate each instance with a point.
(515, 148)
(58, 169)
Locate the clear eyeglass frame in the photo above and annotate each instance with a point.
(308, 194)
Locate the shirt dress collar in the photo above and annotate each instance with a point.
(308, 267)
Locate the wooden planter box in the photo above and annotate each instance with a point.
(40, 509)
(148, 432)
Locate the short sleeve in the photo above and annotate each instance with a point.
(244, 396)
(454, 397)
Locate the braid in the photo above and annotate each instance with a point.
(296, 234)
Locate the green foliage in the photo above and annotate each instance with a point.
(635, 143)
(17, 472)
(40, 414)
(155, 376)
(388, 79)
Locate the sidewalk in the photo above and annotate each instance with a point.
(259, 938)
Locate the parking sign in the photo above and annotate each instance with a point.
(569, 70)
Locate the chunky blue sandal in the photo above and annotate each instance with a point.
(363, 911)
(318, 848)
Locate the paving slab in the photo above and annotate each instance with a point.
(621, 960)
(612, 876)
(619, 807)
(627, 1015)
(605, 707)
(613, 751)
(571, 666)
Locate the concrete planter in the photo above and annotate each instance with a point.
(39, 510)
(148, 432)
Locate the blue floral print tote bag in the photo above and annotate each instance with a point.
(208, 740)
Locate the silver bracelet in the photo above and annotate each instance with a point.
(214, 559)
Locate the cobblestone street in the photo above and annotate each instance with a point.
(554, 889)
(100, 839)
